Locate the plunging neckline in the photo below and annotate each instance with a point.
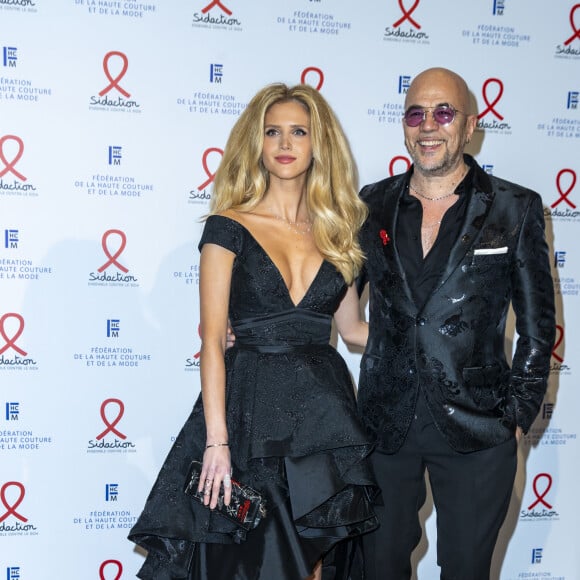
(275, 266)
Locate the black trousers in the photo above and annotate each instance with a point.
(471, 492)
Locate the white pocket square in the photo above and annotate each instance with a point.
(490, 251)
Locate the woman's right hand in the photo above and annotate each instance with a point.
(230, 337)
(216, 471)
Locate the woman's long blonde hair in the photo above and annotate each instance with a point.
(333, 204)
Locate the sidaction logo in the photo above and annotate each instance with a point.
(564, 207)
(411, 34)
(10, 332)
(216, 15)
(104, 99)
(120, 442)
(11, 151)
(12, 521)
(557, 365)
(540, 508)
(567, 50)
(19, 3)
(495, 121)
(118, 279)
(199, 194)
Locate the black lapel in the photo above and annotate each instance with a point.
(390, 216)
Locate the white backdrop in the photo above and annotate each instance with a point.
(113, 116)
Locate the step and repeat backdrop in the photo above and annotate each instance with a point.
(113, 119)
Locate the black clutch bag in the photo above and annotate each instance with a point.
(247, 507)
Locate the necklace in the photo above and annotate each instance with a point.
(429, 233)
(431, 198)
(298, 227)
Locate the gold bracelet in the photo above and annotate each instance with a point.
(217, 445)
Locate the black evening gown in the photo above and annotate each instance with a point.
(294, 436)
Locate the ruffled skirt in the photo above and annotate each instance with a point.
(306, 455)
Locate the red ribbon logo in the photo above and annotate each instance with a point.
(490, 106)
(210, 175)
(572, 23)
(558, 342)
(198, 354)
(540, 496)
(219, 5)
(11, 342)
(9, 165)
(114, 82)
(11, 508)
(313, 69)
(115, 563)
(407, 15)
(111, 426)
(395, 160)
(564, 194)
(113, 258)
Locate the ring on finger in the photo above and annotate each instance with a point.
(227, 480)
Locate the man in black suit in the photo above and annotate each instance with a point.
(448, 249)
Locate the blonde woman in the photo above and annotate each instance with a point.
(279, 254)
